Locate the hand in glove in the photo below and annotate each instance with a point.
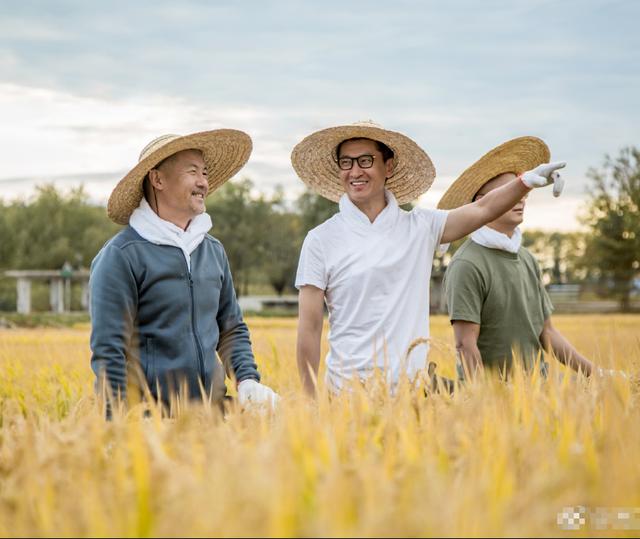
(610, 372)
(251, 393)
(544, 175)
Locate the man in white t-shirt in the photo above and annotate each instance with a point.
(371, 262)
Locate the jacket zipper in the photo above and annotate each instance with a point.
(193, 328)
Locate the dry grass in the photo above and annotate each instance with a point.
(497, 459)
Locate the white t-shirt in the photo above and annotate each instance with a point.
(376, 281)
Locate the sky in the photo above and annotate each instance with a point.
(84, 86)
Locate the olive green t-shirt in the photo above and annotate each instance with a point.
(504, 294)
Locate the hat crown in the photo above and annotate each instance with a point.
(156, 144)
(367, 123)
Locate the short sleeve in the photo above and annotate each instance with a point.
(434, 221)
(312, 264)
(547, 305)
(464, 289)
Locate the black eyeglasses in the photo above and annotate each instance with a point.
(364, 161)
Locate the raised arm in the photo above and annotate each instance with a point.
(468, 218)
(466, 336)
(310, 320)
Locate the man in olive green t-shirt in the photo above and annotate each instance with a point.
(501, 293)
(497, 303)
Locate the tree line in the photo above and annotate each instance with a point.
(262, 234)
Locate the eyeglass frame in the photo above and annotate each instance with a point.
(356, 159)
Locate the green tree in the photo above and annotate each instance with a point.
(241, 223)
(314, 210)
(261, 235)
(282, 250)
(613, 247)
(54, 228)
(559, 254)
(7, 244)
(283, 242)
(44, 232)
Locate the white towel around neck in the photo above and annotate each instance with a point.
(156, 230)
(488, 237)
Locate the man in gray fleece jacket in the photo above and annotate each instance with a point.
(163, 306)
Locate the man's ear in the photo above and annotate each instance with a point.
(389, 165)
(156, 179)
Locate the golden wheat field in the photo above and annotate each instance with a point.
(495, 459)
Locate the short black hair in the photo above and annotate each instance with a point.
(387, 153)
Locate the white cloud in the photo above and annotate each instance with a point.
(23, 29)
(46, 133)
(66, 139)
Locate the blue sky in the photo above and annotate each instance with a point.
(85, 85)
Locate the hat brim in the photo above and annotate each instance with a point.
(315, 162)
(517, 155)
(225, 152)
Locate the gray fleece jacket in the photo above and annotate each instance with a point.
(156, 323)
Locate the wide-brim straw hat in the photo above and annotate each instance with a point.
(315, 161)
(517, 156)
(225, 151)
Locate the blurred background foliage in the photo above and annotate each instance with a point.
(263, 235)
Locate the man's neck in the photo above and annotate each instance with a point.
(183, 223)
(372, 208)
(507, 230)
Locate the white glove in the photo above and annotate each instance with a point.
(251, 393)
(544, 175)
(610, 372)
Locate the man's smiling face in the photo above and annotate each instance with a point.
(186, 186)
(364, 185)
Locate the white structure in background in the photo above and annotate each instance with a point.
(59, 287)
(261, 303)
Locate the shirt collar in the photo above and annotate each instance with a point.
(358, 219)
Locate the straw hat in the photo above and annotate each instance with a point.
(225, 152)
(315, 161)
(517, 155)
